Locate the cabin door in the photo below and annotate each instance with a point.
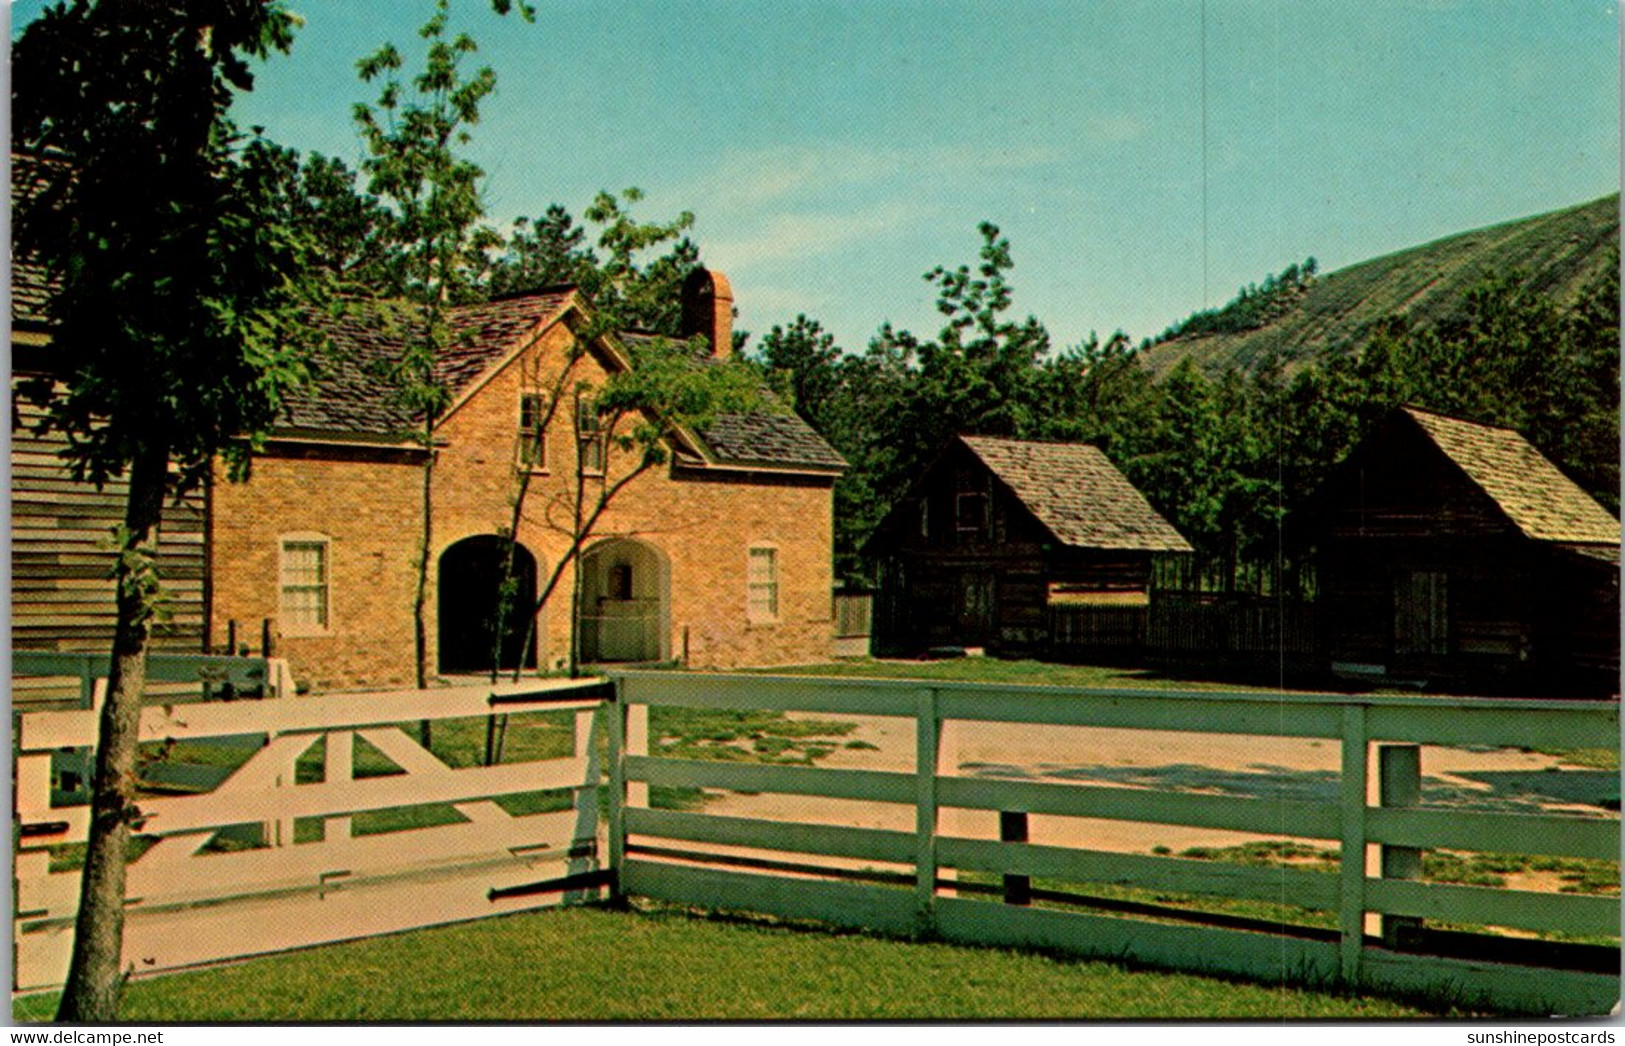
(974, 606)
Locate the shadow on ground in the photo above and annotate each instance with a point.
(1506, 791)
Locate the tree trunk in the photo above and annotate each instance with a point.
(420, 631)
(94, 979)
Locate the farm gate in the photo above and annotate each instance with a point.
(275, 824)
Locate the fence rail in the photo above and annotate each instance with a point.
(189, 677)
(936, 855)
(309, 873)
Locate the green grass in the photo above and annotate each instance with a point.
(671, 965)
(751, 737)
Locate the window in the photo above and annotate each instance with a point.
(970, 513)
(925, 517)
(590, 435)
(762, 584)
(532, 438)
(304, 585)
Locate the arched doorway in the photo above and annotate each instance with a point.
(471, 574)
(625, 602)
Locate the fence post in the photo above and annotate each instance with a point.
(583, 852)
(1399, 775)
(1352, 867)
(338, 764)
(927, 742)
(1018, 889)
(617, 790)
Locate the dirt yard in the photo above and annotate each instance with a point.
(1241, 766)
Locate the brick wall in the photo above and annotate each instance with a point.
(368, 510)
(702, 524)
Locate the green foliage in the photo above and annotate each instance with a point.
(1227, 457)
(1252, 307)
(174, 322)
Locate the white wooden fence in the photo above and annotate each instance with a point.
(641, 838)
(188, 904)
(40, 676)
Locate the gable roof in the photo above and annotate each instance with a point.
(1074, 490)
(352, 396)
(1522, 482)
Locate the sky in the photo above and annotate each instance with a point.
(1146, 158)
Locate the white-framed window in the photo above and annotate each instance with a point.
(762, 584)
(590, 437)
(306, 584)
(532, 436)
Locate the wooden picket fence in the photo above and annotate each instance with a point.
(306, 875)
(936, 874)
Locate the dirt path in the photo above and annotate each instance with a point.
(1214, 764)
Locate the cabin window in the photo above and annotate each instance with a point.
(762, 584)
(305, 584)
(590, 435)
(970, 513)
(532, 438)
(1421, 612)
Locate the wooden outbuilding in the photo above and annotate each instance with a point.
(1002, 541)
(1454, 555)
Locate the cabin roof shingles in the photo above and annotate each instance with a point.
(1075, 491)
(1527, 488)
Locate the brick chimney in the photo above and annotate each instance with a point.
(708, 309)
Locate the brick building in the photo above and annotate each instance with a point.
(719, 557)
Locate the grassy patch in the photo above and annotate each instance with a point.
(748, 736)
(665, 964)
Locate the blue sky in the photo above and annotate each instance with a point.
(834, 151)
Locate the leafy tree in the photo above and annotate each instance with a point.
(179, 283)
(431, 224)
(319, 194)
(802, 361)
(541, 252)
(660, 393)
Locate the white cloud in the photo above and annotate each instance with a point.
(741, 180)
(785, 236)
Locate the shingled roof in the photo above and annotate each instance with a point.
(1075, 491)
(773, 436)
(1528, 489)
(352, 396)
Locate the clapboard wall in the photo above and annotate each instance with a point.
(62, 595)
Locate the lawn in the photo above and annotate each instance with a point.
(668, 964)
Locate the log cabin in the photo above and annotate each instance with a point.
(1455, 556)
(1002, 540)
